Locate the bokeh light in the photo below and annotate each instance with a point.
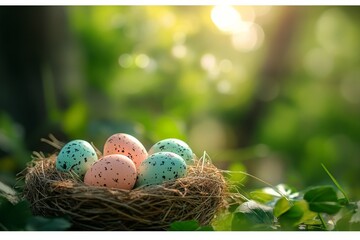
(126, 60)
(273, 90)
(142, 60)
(227, 19)
(319, 62)
(250, 39)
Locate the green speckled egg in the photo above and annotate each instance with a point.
(160, 167)
(176, 146)
(77, 155)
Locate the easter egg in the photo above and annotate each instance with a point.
(112, 171)
(76, 156)
(176, 146)
(127, 145)
(160, 167)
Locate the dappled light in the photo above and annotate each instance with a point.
(273, 91)
(227, 19)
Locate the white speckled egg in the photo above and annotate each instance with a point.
(77, 156)
(125, 144)
(176, 146)
(113, 171)
(160, 167)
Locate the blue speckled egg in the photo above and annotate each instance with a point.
(77, 156)
(160, 167)
(176, 146)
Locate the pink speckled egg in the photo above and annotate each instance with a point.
(125, 144)
(113, 171)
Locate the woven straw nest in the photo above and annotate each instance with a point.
(198, 196)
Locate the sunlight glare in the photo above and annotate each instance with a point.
(125, 60)
(179, 51)
(224, 87)
(208, 61)
(248, 40)
(225, 65)
(227, 19)
(142, 60)
(168, 19)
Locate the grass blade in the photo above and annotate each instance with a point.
(336, 183)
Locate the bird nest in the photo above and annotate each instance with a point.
(197, 196)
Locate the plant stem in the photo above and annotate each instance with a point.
(322, 221)
(336, 183)
(260, 180)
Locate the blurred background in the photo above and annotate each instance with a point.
(273, 91)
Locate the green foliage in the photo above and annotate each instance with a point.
(306, 211)
(223, 221)
(16, 215)
(253, 216)
(271, 195)
(38, 223)
(322, 199)
(278, 110)
(348, 219)
(292, 216)
(336, 183)
(12, 142)
(191, 225)
(283, 208)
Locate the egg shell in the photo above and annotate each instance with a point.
(112, 171)
(176, 146)
(77, 156)
(160, 167)
(125, 144)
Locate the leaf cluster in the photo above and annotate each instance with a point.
(16, 215)
(283, 208)
(317, 208)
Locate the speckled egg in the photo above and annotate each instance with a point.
(77, 156)
(112, 171)
(125, 144)
(176, 146)
(160, 167)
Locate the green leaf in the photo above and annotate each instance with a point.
(237, 173)
(252, 215)
(355, 218)
(184, 226)
(281, 206)
(323, 199)
(266, 195)
(293, 216)
(38, 223)
(205, 228)
(222, 222)
(299, 213)
(261, 196)
(348, 219)
(286, 190)
(14, 217)
(191, 225)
